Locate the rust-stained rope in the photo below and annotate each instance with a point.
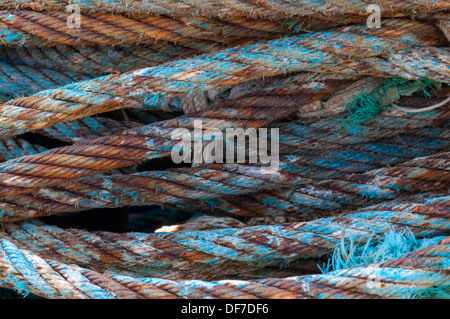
(52, 28)
(358, 189)
(94, 60)
(394, 278)
(221, 252)
(151, 86)
(87, 128)
(49, 168)
(219, 188)
(151, 141)
(16, 80)
(94, 127)
(236, 10)
(16, 147)
(42, 259)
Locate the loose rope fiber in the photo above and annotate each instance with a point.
(147, 87)
(221, 252)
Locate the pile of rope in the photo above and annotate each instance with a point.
(92, 92)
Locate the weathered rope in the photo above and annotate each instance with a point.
(94, 60)
(344, 156)
(52, 28)
(22, 80)
(394, 278)
(87, 128)
(358, 189)
(336, 103)
(16, 147)
(150, 141)
(147, 87)
(227, 251)
(306, 188)
(269, 9)
(315, 176)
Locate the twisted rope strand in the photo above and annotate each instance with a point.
(269, 9)
(209, 188)
(147, 142)
(51, 28)
(216, 253)
(16, 147)
(147, 87)
(94, 60)
(51, 169)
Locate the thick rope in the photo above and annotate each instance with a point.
(221, 252)
(94, 60)
(304, 179)
(336, 103)
(87, 128)
(16, 80)
(51, 169)
(153, 130)
(147, 87)
(394, 278)
(16, 147)
(268, 9)
(52, 28)
(359, 189)
(151, 141)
